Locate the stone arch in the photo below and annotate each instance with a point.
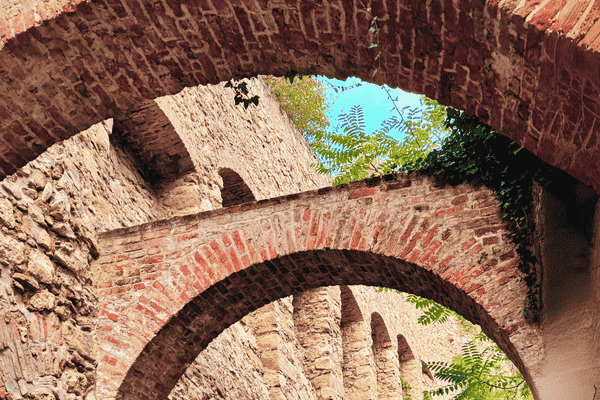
(410, 368)
(388, 378)
(167, 288)
(234, 191)
(359, 381)
(503, 61)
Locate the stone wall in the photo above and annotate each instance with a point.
(52, 210)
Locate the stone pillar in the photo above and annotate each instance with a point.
(388, 375)
(411, 370)
(317, 323)
(277, 349)
(360, 380)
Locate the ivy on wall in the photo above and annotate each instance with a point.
(475, 153)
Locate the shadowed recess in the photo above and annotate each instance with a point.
(202, 319)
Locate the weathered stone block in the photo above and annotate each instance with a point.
(40, 267)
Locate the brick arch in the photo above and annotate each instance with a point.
(388, 377)
(526, 68)
(235, 191)
(168, 288)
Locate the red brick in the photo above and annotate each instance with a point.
(139, 286)
(238, 242)
(226, 240)
(459, 200)
(411, 245)
(430, 251)
(490, 240)
(217, 249)
(447, 273)
(307, 215)
(362, 193)
(113, 317)
(468, 243)
(188, 236)
(110, 360)
(356, 237)
(447, 211)
(413, 257)
(237, 265)
(153, 260)
(315, 225)
(446, 261)
(429, 236)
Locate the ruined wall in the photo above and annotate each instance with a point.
(51, 211)
(53, 208)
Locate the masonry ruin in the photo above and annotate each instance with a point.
(529, 69)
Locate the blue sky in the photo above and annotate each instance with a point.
(373, 98)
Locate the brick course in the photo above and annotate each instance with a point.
(172, 297)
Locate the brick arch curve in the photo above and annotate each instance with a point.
(526, 68)
(168, 288)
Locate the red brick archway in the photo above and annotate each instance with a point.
(168, 288)
(531, 72)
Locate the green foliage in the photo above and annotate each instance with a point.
(303, 100)
(406, 395)
(355, 154)
(475, 153)
(432, 311)
(241, 93)
(478, 375)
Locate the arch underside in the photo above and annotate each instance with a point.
(204, 317)
(508, 66)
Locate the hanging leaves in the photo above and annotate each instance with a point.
(241, 93)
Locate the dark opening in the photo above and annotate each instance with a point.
(235, 191)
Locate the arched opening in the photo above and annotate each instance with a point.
(205, 316)
(388, 378)
(211, 269)
(234, 191)
(359, 380)
(410, 370)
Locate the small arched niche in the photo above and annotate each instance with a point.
(411, 370)
(388, 376)
(234, 191)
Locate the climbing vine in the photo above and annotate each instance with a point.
(241, 93)
(475, 153)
